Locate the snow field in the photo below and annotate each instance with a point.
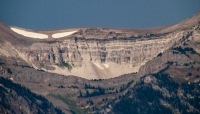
(39, 35)
(63, 34)
(30, 34)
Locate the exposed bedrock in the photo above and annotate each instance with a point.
(97, 58)
(94, 53)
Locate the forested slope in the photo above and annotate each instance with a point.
(16, 99)
(160, 94)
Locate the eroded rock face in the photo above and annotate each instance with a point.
(97, 58)
(175, 55)
(94, 53)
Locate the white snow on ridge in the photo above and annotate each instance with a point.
(30, 34)
(63, 34)
(106, 65)
(98, 65)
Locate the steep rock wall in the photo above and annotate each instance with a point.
(190, 40)
(97, 58)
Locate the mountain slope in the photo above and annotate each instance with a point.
(91, 53)
(123, 65)
(159, 93)
(17, 99)
(171, 83)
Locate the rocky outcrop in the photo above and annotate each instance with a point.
(97, 58)
(93, 52)
(186, 51)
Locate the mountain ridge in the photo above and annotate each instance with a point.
(184, 24)
(96, 70)
(101, 50)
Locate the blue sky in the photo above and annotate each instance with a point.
(58, 14)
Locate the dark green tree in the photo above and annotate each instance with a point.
(80, 94)
(87, 93)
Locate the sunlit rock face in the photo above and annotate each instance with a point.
(92, 53)
(93, 58)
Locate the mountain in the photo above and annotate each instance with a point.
(171, 83)
(107, 70)
(91, 53)
(159, 93)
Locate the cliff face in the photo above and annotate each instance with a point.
(92, 52)
(97, 58)
(187, 51)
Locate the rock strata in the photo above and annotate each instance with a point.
(93, 53)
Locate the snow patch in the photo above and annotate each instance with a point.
(98, 65)
(29, 34)
(63, 34)
(106, 65)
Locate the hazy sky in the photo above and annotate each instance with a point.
(58, 14)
